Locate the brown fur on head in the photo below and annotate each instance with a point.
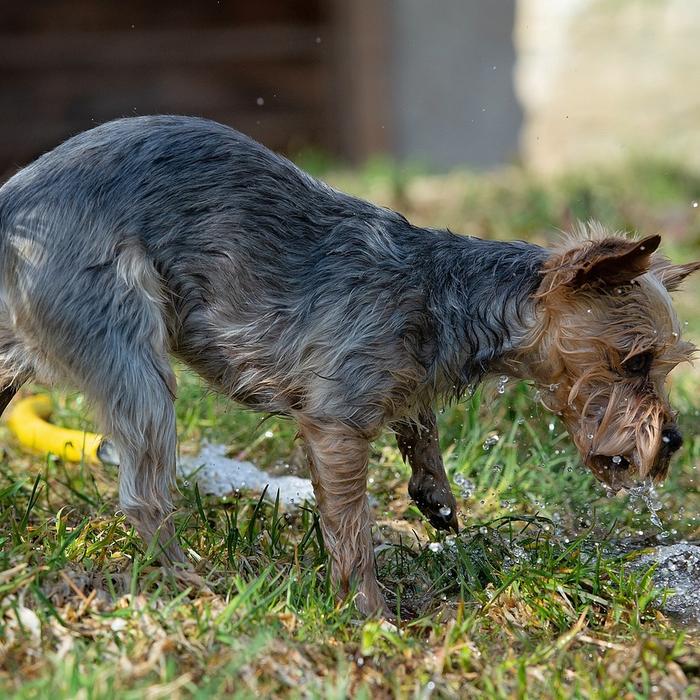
(606, 340)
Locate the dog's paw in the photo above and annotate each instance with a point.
(436, 502)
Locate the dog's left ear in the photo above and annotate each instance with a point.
(672, 275)
(607, 261)
(616, 261)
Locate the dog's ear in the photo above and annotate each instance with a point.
(671, 275)
(607, 261)
(616, 261)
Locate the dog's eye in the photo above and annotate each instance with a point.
(638, 364)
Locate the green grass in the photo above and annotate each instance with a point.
(532, 599)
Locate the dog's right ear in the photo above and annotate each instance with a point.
(608, 261)
(671, 275)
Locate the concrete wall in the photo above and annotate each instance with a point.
(451, 76)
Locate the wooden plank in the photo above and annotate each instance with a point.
(99, 15)
(153, 48)
(53, 93)
(269, 80)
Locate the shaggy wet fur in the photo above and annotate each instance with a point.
(606, 340)
(153, 236)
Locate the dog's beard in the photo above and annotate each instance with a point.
(620, 437)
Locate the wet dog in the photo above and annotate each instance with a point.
(158, 236)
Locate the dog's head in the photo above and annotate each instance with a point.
(606, 340)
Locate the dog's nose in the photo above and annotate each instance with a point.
(671, 440)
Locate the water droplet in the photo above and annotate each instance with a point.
(445, 511)
(466, 486)
(646, 492)
(490, 442)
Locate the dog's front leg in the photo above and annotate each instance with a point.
(428, 487)
(338, 461)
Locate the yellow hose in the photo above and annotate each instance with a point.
(28, 423)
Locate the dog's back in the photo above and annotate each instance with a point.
(233, 251)
(170, 177)
(191, 169)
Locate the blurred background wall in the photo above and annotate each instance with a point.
(550, 83)
(603, 80)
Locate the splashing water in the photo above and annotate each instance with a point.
(490, 442)
(645, 492)
(678, 573)
(218, 474)
(466, 486)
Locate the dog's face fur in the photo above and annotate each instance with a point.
(608, 337)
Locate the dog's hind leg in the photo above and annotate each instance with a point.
(132, 386)
(133, 397)
(103, 329)
(429, 488)
(140, 417)
(338, 461)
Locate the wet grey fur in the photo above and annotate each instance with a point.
(163, 235)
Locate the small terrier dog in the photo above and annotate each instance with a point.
(152, 236)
